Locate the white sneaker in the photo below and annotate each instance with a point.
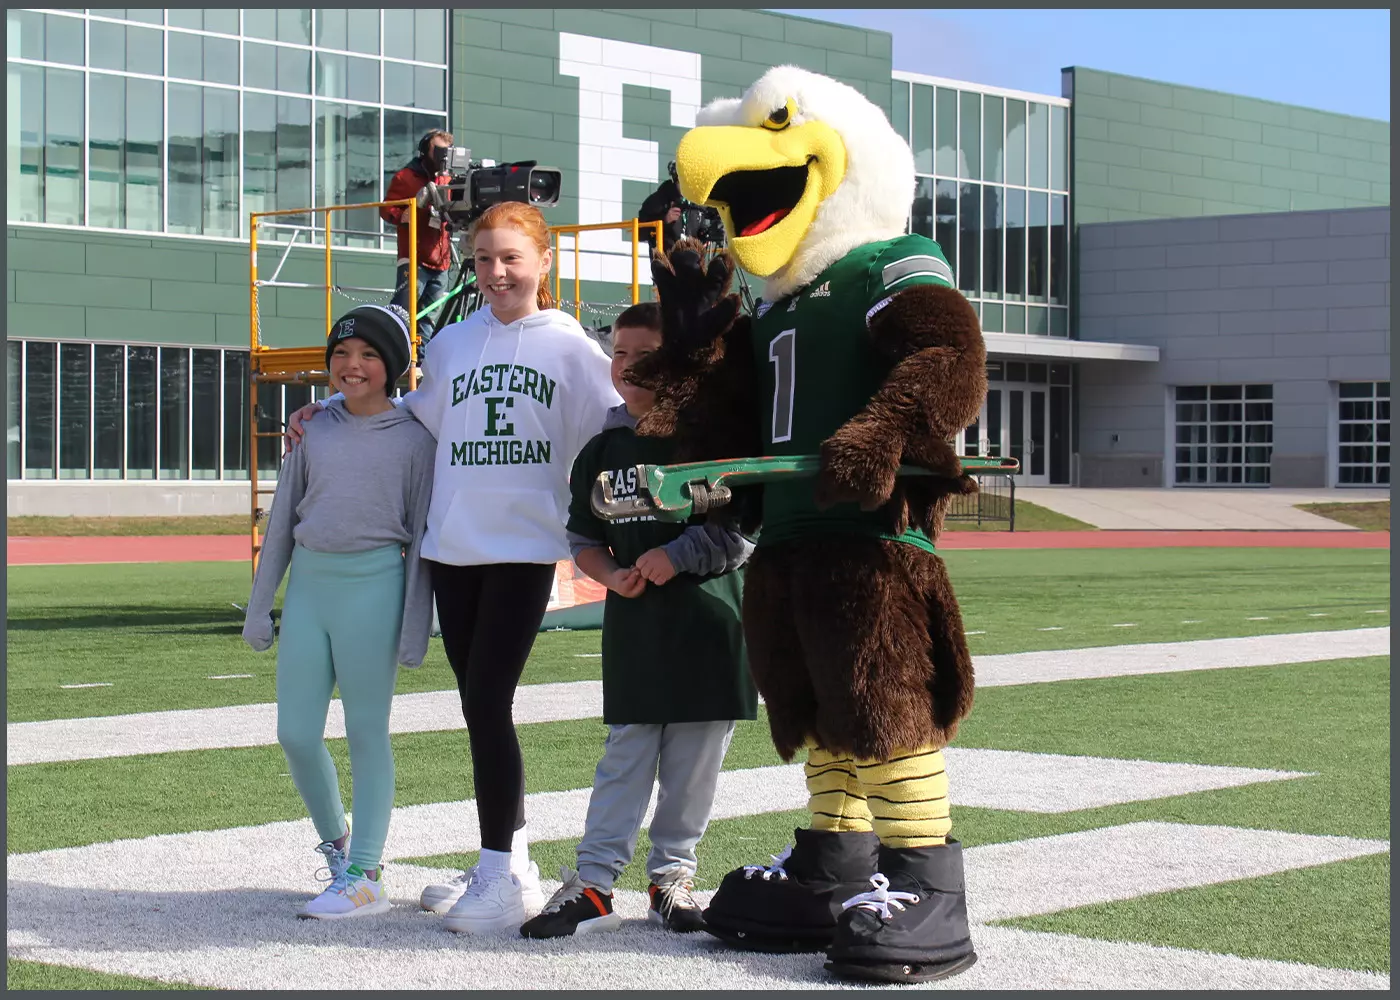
(493, 901)
(351, 894)
(442, 897)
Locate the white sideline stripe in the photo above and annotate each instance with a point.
(252, 940)
(74, 687)
(256, 725)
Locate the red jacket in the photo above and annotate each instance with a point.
(434, 244)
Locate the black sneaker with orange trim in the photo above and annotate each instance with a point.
(672, 904)
(577, 908)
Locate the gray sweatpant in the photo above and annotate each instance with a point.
(684, 759)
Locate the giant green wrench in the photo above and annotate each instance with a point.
(675, 492)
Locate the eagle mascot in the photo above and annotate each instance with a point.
(862, 350)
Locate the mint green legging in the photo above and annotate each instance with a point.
(340, 625)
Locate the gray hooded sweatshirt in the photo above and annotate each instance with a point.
(352, 485)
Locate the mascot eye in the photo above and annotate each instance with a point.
(781, 118)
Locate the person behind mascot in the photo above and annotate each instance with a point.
(863, 350)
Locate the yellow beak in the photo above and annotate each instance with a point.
(766, 210)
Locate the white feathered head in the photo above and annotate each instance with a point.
(803, 170)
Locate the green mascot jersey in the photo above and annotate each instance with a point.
(819, 369)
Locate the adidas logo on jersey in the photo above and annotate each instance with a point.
(822, 291)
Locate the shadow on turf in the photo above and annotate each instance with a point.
(174, 922)
(216, 621)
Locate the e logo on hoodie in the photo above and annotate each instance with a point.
(494, 416)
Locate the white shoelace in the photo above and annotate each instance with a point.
(337, 861)
(481, 880)
(571, 890)
(770, 871)
(880, 900)
(676, 884)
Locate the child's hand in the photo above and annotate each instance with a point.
(627, 582)
(656, 566)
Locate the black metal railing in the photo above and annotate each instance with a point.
(995, 501)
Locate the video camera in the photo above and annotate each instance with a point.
(465, 187)
(698, 221)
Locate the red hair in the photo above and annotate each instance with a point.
(528, 221)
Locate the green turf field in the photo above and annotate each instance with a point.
(157, 633)
(158, 641)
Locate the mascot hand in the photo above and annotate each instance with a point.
(696, 309)
(858, 464)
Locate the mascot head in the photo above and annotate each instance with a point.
(803, 170)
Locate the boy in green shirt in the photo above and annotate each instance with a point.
(675, 678)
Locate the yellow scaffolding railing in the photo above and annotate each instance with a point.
(306, 365)
(632, 226)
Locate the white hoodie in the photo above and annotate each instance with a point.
(511, 406)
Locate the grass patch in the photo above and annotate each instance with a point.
(83, 527)
(1330, 718)
(1335, 915)
(157, 632)
(22, 975)
(1029, 517)
(1373, 516)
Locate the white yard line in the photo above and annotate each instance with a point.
(251, 939)
(256, 725)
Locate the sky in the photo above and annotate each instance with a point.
(1331, 60)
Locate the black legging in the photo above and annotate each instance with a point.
(489, 617)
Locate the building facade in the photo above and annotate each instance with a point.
(140, 140)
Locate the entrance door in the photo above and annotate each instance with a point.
(1014, 421)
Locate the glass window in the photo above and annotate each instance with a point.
(13, 362)
(1223, 442)
(109, 411)
(1059, 322)
(1038, 321)
(1059, 149)
(945, 221)
(204, 415)
(203, 156)
(48, 37)
(347, 166)
(270, 421)
(991, 241)
(1038, 129)
(174, 412)
(24, 138)
(414, 86)
(126, 47)
(899, 108)
(74, 409)
(294, 70)
(991, 317)
(141, 413)
(1059, 249)
(201, 57)
(1037, 245)
(992, 138)
(970, 136)
(223, 20)
(331, 28)
(277, 152)
(1363, 433)
(355, 29)
(347, 77)
(39, 405)
(946, 131)
(922, 220)
(145, 15)
(124, 175)
(283, 24)
(62, 98)
(235, 434)
(1015, 273)
(1015, 142)
(418, 34)
(277, 67)
(1015, 319)
(923, 129)
(969, 237)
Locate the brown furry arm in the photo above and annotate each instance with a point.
(934, 390)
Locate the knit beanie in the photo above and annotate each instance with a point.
(385, 328)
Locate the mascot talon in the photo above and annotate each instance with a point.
(861, 349)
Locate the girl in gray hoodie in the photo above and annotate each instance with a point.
(349, 516)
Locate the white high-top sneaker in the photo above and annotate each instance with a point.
(493, 901)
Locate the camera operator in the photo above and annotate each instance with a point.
(434, 239)
(663, 205)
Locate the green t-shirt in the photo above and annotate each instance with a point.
(819, 368)
(675, 653)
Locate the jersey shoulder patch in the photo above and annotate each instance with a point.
(902, 263)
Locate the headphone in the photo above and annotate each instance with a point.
(426, 143)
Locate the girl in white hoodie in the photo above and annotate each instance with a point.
(512, 393)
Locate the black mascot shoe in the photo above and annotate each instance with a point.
(911, 924)
(793, 904)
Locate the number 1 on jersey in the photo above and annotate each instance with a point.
(782, 352)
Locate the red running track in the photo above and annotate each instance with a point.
(233, 548)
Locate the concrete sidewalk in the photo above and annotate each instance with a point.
(1197, 509)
